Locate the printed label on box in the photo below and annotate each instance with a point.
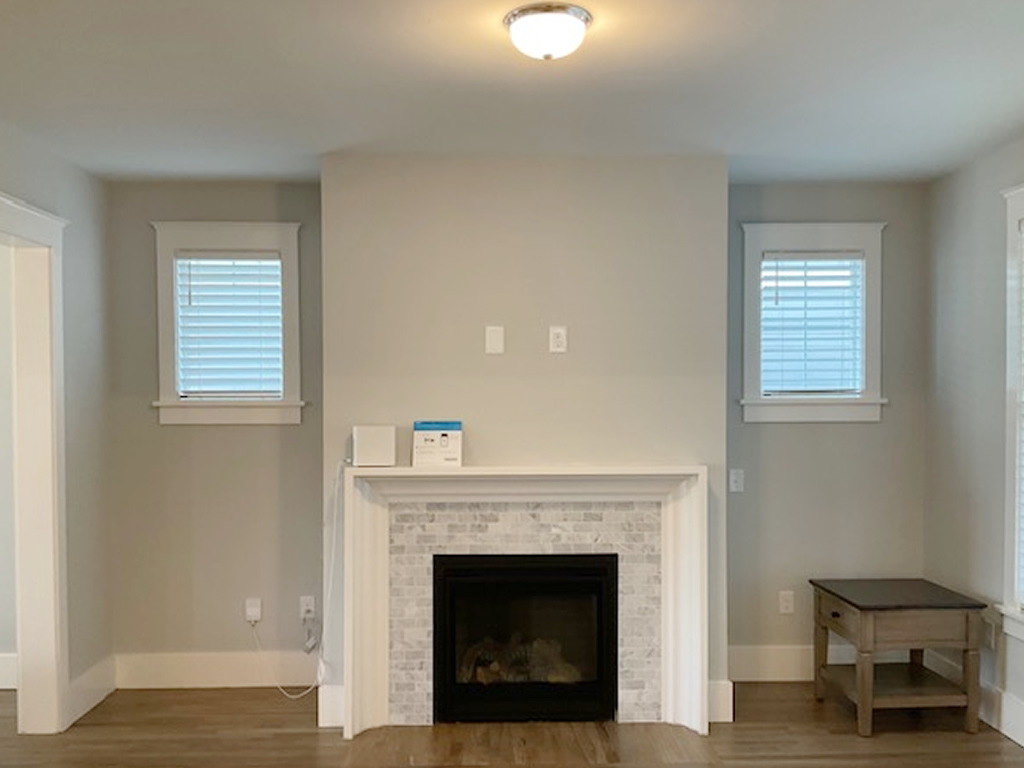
(437, 444)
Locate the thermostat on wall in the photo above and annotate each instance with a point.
(373, 446)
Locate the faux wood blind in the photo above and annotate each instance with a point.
(812, 326)
(228, 323)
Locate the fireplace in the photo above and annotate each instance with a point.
(379, 650)
(525, 637)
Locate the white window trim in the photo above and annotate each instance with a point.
(281, 238)
(1011, 607)
(842, 238)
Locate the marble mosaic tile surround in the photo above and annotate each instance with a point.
(420, 530)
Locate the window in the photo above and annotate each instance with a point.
(228, 323)
(812, 322)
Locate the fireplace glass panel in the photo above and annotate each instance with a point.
(525, 637)
(545, 636)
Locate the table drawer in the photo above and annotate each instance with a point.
(842, 618)
(921, 629)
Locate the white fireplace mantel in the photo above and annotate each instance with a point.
(360, 699)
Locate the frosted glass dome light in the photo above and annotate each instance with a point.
(547, 30)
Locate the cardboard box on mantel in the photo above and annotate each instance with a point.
(437, 444)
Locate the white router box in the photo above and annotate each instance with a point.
(373, 446)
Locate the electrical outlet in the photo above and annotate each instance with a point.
(253, 610)
(737, 480)
(786, 601)
(558, 338)
(307, 607)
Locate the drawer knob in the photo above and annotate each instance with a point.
(836, 614)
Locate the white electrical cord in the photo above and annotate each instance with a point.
(292, 696)
(321, 663)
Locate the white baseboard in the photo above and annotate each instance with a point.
(330, 706)
(247, 669)
(1009, 713)
(8, 671)
(720, 701)
(1002, 710)
(944, 665)
(89, 689)
(763, 663)
(781, 663)
(788, 663)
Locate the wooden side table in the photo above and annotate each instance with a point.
(885, 614)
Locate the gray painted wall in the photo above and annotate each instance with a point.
(204, 516)
(964, 538)
(30, 171)
(420, 253)
(8, 625)
(830, 499)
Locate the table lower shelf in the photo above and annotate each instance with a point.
(899, 686)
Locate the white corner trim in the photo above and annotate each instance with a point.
(90, 688)
(27, 216)
(330, 707)
(247, 669)
(39, 471)
(8, 671)
(720, 701)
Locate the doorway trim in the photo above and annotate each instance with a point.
(36, 238)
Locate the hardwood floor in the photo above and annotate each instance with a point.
(777, 726)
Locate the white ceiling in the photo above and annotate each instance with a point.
(789, 89)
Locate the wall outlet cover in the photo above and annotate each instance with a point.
(786, 601)
(253, 609)
(307, 607)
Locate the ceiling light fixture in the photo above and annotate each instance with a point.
(548, 30)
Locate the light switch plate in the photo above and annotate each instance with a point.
(494, 340)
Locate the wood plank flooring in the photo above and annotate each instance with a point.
(778, 725)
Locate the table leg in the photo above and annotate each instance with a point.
(973, 688)
(820, 659)
(865, 691)
(917, 657)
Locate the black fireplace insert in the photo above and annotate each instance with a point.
(525, 637)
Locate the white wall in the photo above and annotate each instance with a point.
(830, 500)
(205, 516)
(966, 507)
(421, 252)
(8, 639)
(32, 172)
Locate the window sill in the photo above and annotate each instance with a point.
(803, 410)
(229, 412)
(1013, 621)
